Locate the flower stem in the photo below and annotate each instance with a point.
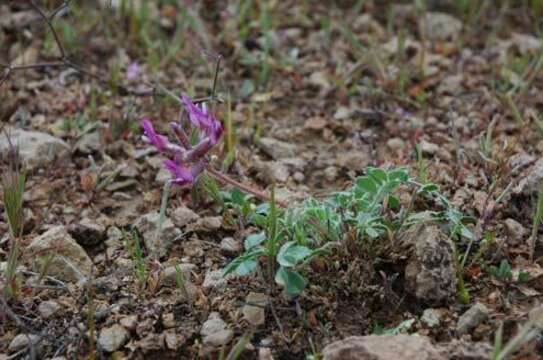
(248, 189)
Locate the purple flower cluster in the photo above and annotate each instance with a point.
(186, 162)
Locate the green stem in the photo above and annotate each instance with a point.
(163, 205)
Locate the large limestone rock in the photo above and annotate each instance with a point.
(430, 273)
(36, 149)
(61, 255)
(376, 347)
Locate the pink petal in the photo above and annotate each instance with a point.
(180, 174)
(158, 140)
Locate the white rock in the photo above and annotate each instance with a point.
(48, 308)
(65, 258)
(124, 267)
(214, 331)
(35, 148)
(395, 144)
(527, 44)
(275, 148)
(298, 176)
(265, 353)
(130, 322)
(163, 175)
(331, 173)
(319, 78)
(439, 26)
(275, 171)
(294, 163)
(214, 280)
(471, 318)
(393, 45)
(89, 143)
(208, 223)
(169, 277)
(431, 317)
(342, 113)
(230, 245)
(168, 320)
(451, 85)
(429, 148)
(353, 160)
(382, 347)
(112, 338)
(515, 231)
(183, 216)
(172, 340)
(20, 341)
(254, 308)
(529, 183)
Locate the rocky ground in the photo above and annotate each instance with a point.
(315, 92)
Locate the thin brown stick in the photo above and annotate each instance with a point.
(228, 180)
(49, 23)
(34, 66)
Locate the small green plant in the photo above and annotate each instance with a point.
(238, 206)
(422, 165)
(403, 327)
(503, 272)
(239, 347)
(268, 244)
(13, 186)
(133, 246)
(91, 320)
(181, 283)
(485, 142)
(366, 213)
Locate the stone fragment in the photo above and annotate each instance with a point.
(64, 257)
(439, 26)
(214, 331)
(471, 318)
(277, 149)
(254, 308)
(183, 216)
(431, 317)
(21, 341)
(88, 232)
(35, 148)
(382, 347)
(48, 308)
(430, 273)
(230, 245)
(112, 338)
